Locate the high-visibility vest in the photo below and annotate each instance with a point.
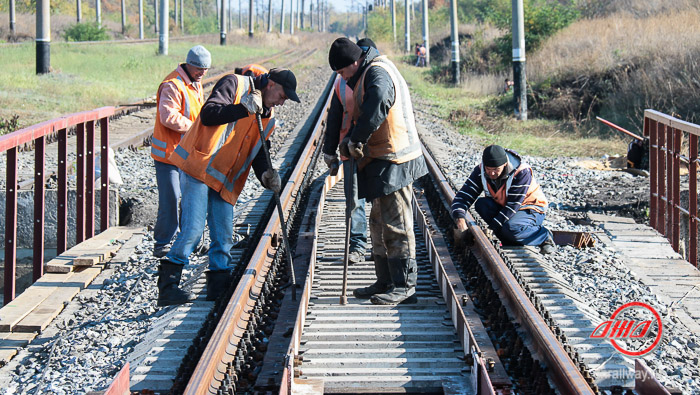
(396, 140)
(534, 199)
(221, 155)
(344, 93)
(192, 98)
(256, 69)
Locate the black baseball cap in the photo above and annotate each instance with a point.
(286, 78)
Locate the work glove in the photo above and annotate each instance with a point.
(331, 160)
(271, 180)
(343, 147)
(253, 102)
(355, 149)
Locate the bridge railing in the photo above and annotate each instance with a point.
(668, 147)
(36, 136)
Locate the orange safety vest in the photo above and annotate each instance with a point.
(344, 94)
(221, 155)
(256, 69)
(534, 199)
(192, 98)
(396, 140)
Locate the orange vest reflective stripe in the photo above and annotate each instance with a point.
(396, 140)
(534, 199)
(191, 96)
(344, 94)
(221, 156)
(256, 69)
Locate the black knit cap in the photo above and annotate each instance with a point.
(343, 53)
(494, 156)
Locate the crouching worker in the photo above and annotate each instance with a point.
(216, 155)
(514, 205)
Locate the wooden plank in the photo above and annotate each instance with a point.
(42, 315)
(608, 218)
(95, 257)
(22, 305)
(11, 343)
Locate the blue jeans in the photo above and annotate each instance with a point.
(358, 219)
(199, 204)
(523, 228)
(168, 178)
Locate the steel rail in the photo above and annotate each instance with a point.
(223, 344)
(566, 374)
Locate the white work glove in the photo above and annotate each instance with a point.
(331, 160)
(355, 149)
(271, 180)
(253, 102)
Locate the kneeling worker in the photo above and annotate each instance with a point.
(514, 206)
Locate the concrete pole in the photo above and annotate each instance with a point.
(311, 13)
(163, 37)
(140, 19)
(123, 3)
(282, 18)
(12, 16)
(182, 17)
(250, 18)
(176, 11)
(157, 20)
(407, 26)
(393, 18)
(98, 13)
(519, 76)
(43, 36)
(426, 32)
(302, 14)
(222, 30)
(240, 15)
(217, 4)
(455, 42)
(291, 17)
(78, 10)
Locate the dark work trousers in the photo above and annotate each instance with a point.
(391, 225)
(523, 228)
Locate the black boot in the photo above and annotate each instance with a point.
(217, 283)
(383, 283)
(404, 275)
(169, 275)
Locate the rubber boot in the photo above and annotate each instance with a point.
(383, 283)
(169, 275)
(404, 275)
(217, 283)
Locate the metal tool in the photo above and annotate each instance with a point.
(279, 211)
(351, 179)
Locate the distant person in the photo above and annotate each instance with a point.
(338, 124)
(514, 205)
(416, 51)
(507, 86)
(180, 98)
(422, 52)
(251, 70)
(216, 155)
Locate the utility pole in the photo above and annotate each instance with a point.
(455, 42)
(426, 32)
(250, 18)
(182, 18)
(407, 27)
(140, 19)
(282, 18)
(519, 77)
(318, 14)
(311, 13)
(12, 16)
(98, 13)
(393, 19)
(302, 14)
(291, 16)
(78, 10)
(163, 37)
(222, 34)
(269, 16)
(156, 21)
(43, 36)
(240, 15)
(176, 10)
(123, 17)
(218, 12)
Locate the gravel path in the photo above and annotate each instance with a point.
(83, 350)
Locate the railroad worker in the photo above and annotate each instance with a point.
(180, 98)
(216, 155)
(384, 141)
(514, 205)
(338, 124)
(251, 70)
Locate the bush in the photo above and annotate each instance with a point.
(9, 125)
(85, 32)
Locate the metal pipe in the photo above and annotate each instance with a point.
(43, 36)
(140, 19)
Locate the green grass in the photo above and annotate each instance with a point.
(477, 117)
(88, 76)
